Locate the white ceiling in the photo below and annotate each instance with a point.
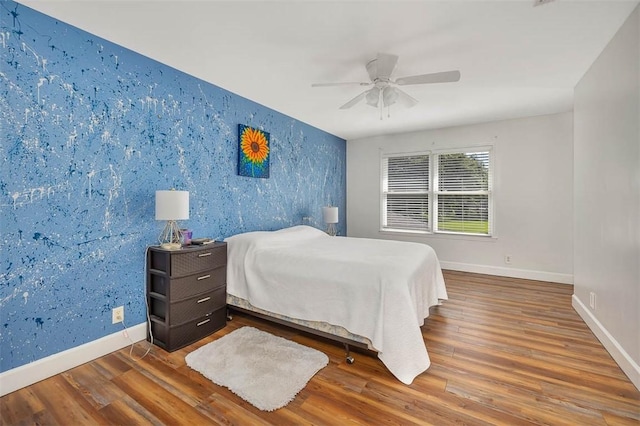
(516, 60)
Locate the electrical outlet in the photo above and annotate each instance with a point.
(117, 315)
(592, 300)
(507, 259)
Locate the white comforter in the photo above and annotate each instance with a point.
(378, 289)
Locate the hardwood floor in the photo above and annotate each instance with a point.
(503, 351)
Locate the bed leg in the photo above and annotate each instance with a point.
(229, 316)
(348, 356)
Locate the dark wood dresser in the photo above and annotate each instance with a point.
(186, 293)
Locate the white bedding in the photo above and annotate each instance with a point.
(378, 289)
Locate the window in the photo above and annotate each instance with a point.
(406, 192)
(437, 192)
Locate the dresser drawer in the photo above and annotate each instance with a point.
(192, 285)
(189, 261)
(198, 306)
(186, 310)
(176, 337)
(192, 262)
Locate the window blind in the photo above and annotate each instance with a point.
(462, 192)
(463, 172)
(406, 192)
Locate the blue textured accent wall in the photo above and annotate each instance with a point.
(89, 131)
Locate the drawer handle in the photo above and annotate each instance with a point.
(202, 322)
(204, 300)
(205, 254)
(204, 277)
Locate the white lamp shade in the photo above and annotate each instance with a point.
(330, 214)
(172, 205)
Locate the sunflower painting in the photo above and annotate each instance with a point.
(253, 152)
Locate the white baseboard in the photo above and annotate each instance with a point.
(509, 272)
(28, 374)
(617, 352)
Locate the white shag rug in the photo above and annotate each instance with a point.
(264, 370)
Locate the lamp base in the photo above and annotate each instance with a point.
(331, 229)
(170, 239)
(171, 246)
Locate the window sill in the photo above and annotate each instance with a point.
(440, 235)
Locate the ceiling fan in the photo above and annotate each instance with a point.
(385, 92)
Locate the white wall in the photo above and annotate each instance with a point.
(607, 196)
(532, 195)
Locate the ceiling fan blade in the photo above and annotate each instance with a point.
(350, 83)
(438, 77)
(406, 100)
(355, 100)
(385, 64)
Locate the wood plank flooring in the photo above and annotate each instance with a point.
(504, 351)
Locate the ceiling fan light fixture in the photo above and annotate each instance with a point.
(373, 97)
(389, 96)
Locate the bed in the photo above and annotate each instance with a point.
(375, 293)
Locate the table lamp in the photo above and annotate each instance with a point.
(330, 217)
(171, 206)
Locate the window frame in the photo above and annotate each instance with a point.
(433, 191)
(383, 193)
